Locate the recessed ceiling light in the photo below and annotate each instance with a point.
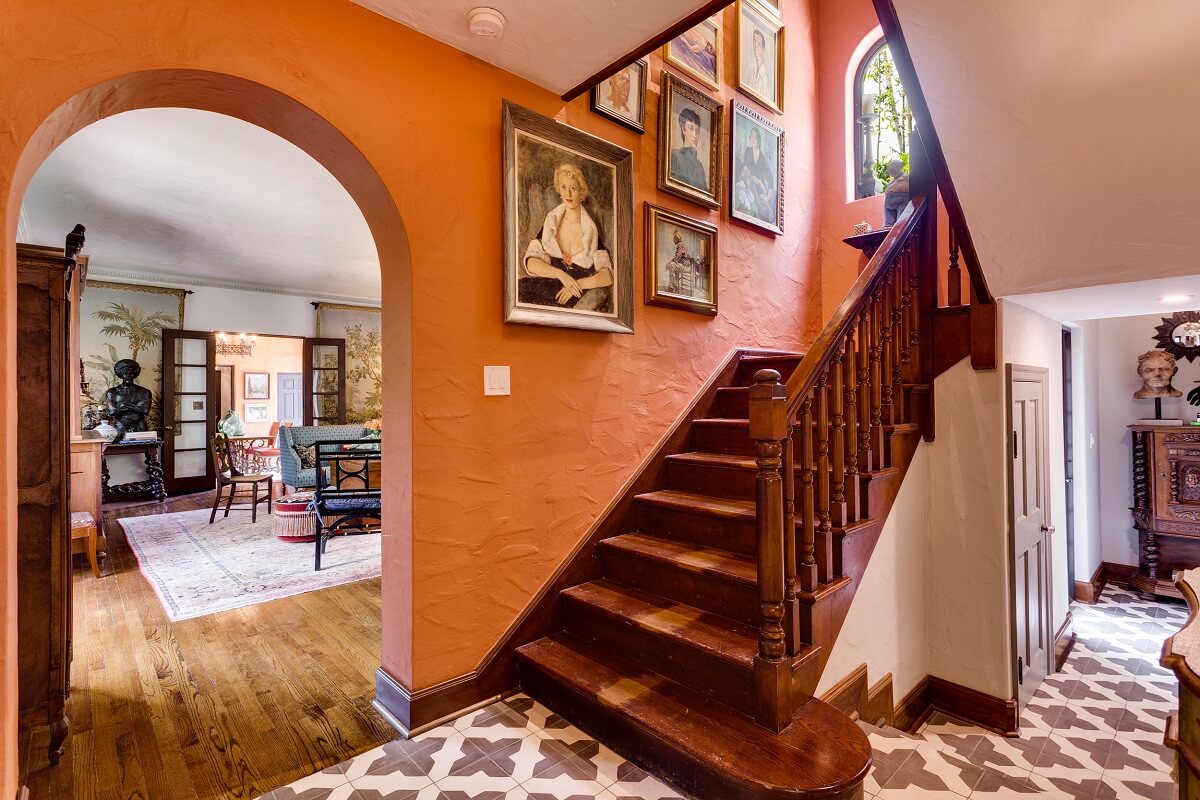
(1175, 298)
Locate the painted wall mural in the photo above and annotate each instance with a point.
(120, 320)
(360, 327)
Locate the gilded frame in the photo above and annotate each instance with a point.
(773, 23)
(656, 294)
(672, 85)
(738, 109)
(181, 294)
(713, 82)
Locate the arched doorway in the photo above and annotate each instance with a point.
(280, 114)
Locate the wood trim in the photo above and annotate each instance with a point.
(413, 712)
(880, 709)
(984, 335)
(1118, 574)
(687, 23)
(1089, 591)
(889, 20)
(936, 694)
(856, 699)
(1064, 642)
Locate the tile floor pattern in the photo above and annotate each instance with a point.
(1093, 731)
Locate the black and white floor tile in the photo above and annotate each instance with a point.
(1093, 732)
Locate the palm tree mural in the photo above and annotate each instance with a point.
(140, 329)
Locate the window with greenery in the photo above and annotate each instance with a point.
(884, 122)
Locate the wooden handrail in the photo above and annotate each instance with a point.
(823, 350)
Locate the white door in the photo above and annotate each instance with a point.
(1030, 515)
(290, 387)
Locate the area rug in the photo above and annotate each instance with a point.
(198, 569)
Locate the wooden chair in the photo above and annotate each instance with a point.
(229, 476)
(83, 527)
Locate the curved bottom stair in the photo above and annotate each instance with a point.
(704, 748)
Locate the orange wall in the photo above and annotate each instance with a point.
(273, 355)
(501, 488)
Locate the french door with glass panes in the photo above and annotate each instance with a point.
(324, 381)
(190, 409)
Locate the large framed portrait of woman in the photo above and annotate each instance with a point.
(691, 136)
(568, 226)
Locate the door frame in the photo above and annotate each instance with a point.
(212, 392)
(1068, 345)
(1014, 373)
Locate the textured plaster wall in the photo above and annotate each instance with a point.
(1120, 341)
(500, 488)
(887, 627)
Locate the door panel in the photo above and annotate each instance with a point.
(324, 381)
(1030, 519)
(191, 409)
(291, 397)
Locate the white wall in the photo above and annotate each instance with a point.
(1085, 377)
(1121, 340)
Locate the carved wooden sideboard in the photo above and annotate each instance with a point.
(1181, 655)
(1166, 504)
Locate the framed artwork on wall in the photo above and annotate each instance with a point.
(774, 6)
(622, 98)
(760, 54)
(256, 385)
(756, 169)
(691, 135)
(698, 53)
(256, 412)
(681, 261)
(568, 226)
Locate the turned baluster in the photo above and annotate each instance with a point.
(954, 274)
(899, 341)
(906, 305)
(850, 371)
(914, 296)
(837, 441)
(887, 407)
(806, 574)
(768, 428)
(872, 396)
(790, 549)
(824, 535)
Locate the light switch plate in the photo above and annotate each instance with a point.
(496, 381)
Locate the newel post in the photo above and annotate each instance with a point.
(769, 429)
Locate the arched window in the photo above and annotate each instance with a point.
(884, 122)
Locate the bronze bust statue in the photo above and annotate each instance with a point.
(127, 403)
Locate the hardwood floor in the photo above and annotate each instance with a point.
(231, 705)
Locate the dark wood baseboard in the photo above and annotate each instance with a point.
(1089, 591)
(1118, 574)
(412, 712)
(935, 694)
(857, 699)
(1064, 641)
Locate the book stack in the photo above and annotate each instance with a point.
(141, 436)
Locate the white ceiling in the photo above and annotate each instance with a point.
(176, 192)
(556, 44)
(1116, 299)
(1068, 127)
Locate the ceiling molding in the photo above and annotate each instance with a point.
(171, 279)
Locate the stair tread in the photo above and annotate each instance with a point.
(731, 460)
(820, 751)
(706, 560)
(713, 635)
(720, 506)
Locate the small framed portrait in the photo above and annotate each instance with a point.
(755, 169)
(691, 135)
(257, 412)
(622, 98)
(257, 386)
(568, 226)
(681, 261)
(698, 53)
(760, 54)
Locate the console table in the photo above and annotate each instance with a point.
(153, 487)
(1166, 504)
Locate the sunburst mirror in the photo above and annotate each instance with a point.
(1179, 334)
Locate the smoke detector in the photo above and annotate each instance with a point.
(487, 23)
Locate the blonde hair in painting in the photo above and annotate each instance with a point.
(567, 170)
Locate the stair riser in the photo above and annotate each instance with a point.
(707, 530)
(732, 403)
(733, 439)
(703, 590)
(731, 483)
(639, 744)
(692, 668)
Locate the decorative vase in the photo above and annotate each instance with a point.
(231, 424)
(105, 430)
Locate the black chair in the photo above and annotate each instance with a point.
(344, 492)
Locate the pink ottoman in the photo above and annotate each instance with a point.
(293, 520)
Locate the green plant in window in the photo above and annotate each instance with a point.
(893, 115)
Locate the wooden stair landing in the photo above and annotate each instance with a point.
(708, 749)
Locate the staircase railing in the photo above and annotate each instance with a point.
(846, 390)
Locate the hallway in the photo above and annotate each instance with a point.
(219, 707)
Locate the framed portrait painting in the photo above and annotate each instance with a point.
(622, 98)
(257, 412)
(697, 53)
(568, 226)
(756, 169)
(256, 385)
(691, 135)
(681, 261)
(760, 54)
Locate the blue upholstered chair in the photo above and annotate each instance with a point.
(289, 462)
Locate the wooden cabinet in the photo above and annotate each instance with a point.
(87, 455)
(1166, 504)
(44, 386)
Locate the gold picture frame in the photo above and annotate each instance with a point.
(681, 271)
(698, 52)
(754, 69)
(690, 120)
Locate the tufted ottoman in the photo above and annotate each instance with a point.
(293, 520)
